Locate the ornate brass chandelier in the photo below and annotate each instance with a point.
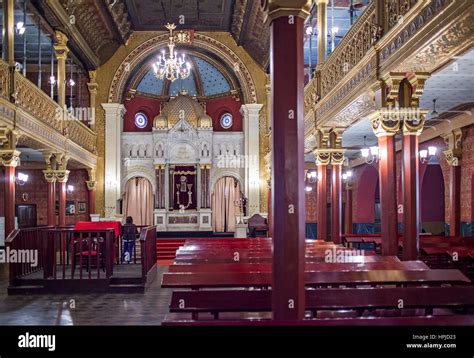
(172, 67)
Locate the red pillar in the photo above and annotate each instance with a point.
(411, 212)
(388, 194)
(51, 206)
(62, 203)
(92, 202)
(455, 201)
(10, 159)
(270, 212)
(50, 178)
(322, 202)
(9, 199)
(348, 211)
(288, 195)
(336, 203)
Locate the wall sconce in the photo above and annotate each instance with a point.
(308, 189)
(347, 175)
(425, 153)
(20, 28)
(21, 179)
(370, 154)
(70, 189)
(311, 176)
(52, 80)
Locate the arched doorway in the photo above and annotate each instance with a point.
(432, 200)
(224, 209)
(138, 201)
(367, 214)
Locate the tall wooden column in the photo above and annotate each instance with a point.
(337, 158)
(91, 187)
(8, 54)
(322, 160)
(410, 188)
(385, 131)
(288, 195)
(348, 210)
(9, 159)
(61, 50)
(453, 156)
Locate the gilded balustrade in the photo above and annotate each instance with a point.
(29, 98)
(352, 48)
(5, 71)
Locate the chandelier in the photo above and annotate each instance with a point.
(172, 67)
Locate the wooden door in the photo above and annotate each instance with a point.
(26, 215)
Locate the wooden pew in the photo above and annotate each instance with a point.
(323, 266)
(315, 279)
(358, 299)
(443, 321)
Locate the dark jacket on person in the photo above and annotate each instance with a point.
(130, 232)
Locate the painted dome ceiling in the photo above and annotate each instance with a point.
(206, 80)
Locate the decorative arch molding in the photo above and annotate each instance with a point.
(125, 71)
(219, 174)
(139, 172)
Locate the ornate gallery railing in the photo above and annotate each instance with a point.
(26, 96)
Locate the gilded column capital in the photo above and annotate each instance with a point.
(62, 176)
(390, 88)
(413, 120)
(417, 81)
(384, 123)
(10, 158)
(49, 175)
(337, 156)
(91, 185)
(322, 156)
(281, 8)
(60, 46)
(453, 154)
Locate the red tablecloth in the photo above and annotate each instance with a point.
(100, 225)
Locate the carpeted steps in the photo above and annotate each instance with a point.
(166, 249)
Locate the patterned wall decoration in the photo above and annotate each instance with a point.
(151, 84)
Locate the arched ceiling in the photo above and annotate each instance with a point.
(206, 80)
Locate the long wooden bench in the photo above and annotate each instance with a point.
(359, 299)
(458, 320)
(316, 279)
(310, 266)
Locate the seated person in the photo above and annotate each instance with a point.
(130, 233)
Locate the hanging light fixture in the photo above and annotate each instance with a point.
(171, 67)
(434, 114)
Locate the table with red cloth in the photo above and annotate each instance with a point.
(103, 225)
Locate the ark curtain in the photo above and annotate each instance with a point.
(224, 210)
(138, 201)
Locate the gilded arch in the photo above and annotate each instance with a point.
(145, 50)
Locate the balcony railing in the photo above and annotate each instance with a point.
(32, 100)
(352, 48)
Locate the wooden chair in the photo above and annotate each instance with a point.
(258, 226)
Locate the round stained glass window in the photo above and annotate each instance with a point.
(141, 120)
(226, 121)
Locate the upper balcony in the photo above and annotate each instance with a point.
(389, 36)
(36, 116)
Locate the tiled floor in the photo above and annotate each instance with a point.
(84, 309)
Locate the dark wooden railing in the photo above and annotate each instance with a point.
(19, 241)
(66, 251)
(148, 249)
